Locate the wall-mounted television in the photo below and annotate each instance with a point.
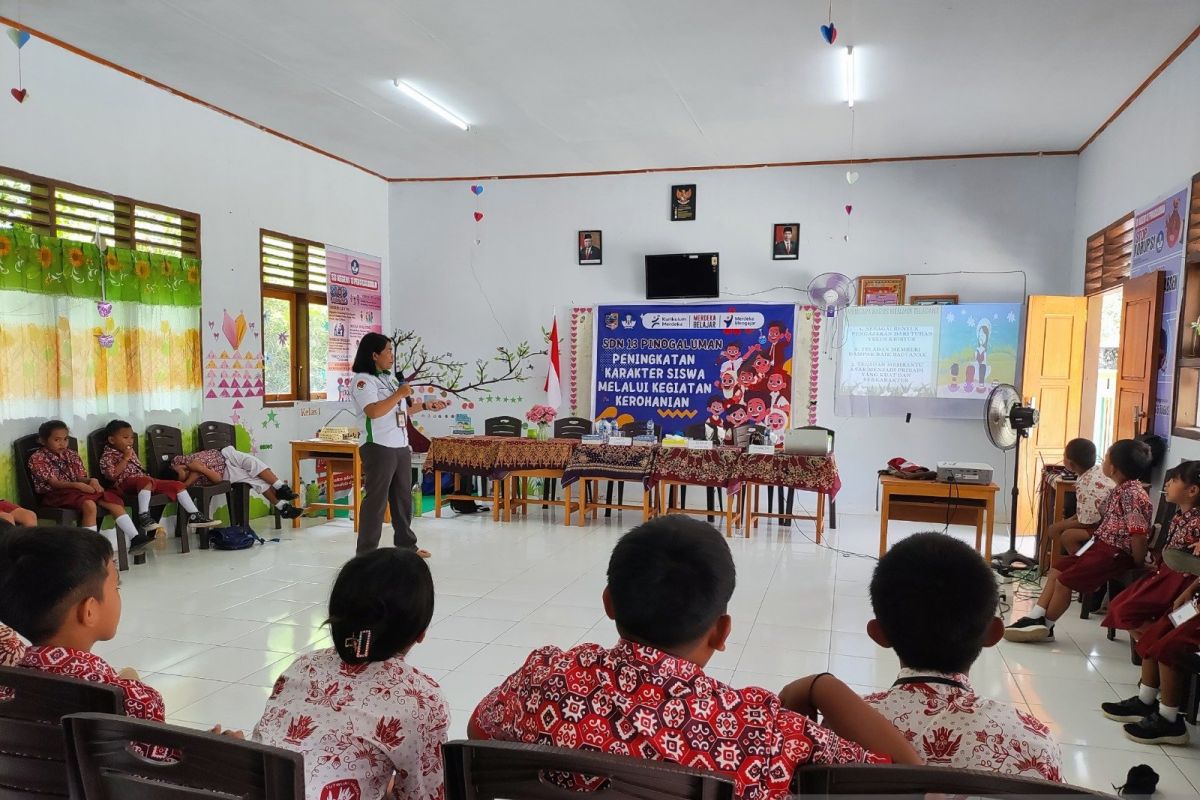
(683, 275)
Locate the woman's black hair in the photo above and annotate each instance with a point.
(381, 603)
(371, 344)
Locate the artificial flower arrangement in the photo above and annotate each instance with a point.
(541, 414)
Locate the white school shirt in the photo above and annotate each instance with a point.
(390, 430)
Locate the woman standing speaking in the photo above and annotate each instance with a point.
(384, 403)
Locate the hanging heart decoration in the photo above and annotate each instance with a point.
(106, 340)
(103, 308)
(849, 208)
(18, 94)
(477, 189)
(18, 37)
(851, 177)
(478, 216)
(829, 33)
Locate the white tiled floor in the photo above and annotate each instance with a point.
(212, 630)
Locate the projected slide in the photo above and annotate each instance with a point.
(926, 359)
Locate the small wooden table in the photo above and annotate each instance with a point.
(331, 452)
(938, 502)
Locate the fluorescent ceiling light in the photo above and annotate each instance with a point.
(850, 87)
(433, 106)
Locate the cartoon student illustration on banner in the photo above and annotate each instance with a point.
(779, 337)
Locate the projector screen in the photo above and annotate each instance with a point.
(928, 361)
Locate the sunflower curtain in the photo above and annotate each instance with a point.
(52, 362)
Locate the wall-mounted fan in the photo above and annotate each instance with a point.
(1007, 421)
(831, 291)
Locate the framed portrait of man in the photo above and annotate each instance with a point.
(589, 247)
(683, 202)
(785, 238)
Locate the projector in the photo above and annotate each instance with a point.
(964, 472)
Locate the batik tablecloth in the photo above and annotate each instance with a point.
(716, 467)
(464, 455)
(523, 455)
(611, 462)
(808, 473)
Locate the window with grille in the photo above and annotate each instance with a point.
(295, 322)
(1109, 256)
(53, 208)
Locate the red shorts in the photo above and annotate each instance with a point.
(1169, 645)
(74, 499)
(7, 507)
(1088, 572)
(131, 486)
(1147, 599)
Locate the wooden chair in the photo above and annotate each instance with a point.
(218, 436)
(158, 502)
(33, 755)
(23, 447)
(846, 780)
(102, 767)
(163, 443)
(480, 770)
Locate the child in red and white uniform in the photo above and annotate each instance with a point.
(369, 725)
(121, 467)
(1091, 490)
(61, 481)
(1153, 596)
(1119, 544)
(206, 467)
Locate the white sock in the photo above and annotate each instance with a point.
(91, 528)
(281, 504)
(144, 501)
(127, 527)
(1147, 694)
(1037, 612)
(112, 538)
(1049, 623)
(185, 502)
(1168, 713)
(278, 484)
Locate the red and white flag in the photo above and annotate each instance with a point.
(554, 372)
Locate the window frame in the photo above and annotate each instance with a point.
(299, 299)
(125, 228)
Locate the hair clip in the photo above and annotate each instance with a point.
(361, 642)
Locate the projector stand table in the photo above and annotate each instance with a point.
(936, 502)
(338, 457)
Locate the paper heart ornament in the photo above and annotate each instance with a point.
(106, 340)
(851, 177)
(104, 308)
(849, 208)
(477, 189)
(478, 217)
(234, 329)
(829, 33)
(18, 94)
(19, 38)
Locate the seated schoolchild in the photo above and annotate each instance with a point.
(207, 467)
(121, 467)
(669, 584)
(61, 481)
(935, 604)
(1091, 490)
(360, 697)
(1118, 545)
(13, 514)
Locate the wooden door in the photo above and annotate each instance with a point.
(1052, 382)
(1137, 359)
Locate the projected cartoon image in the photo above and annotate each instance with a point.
(977, 348)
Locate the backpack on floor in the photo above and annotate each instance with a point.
(234, 537)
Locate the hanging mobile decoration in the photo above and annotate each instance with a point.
(18, 38)
(103, 306)
(829, 30)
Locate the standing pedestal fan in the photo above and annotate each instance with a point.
(1007, 422)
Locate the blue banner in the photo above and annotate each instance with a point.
(683, 366)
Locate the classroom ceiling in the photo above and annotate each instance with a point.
(575, 85)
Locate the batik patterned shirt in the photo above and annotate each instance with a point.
(635, 700)
(1185, 529)
(1091, 490)
(1127, 513)
(358, 726)
(45, 466)
(108, 466)
(951, 726)
(12, 647)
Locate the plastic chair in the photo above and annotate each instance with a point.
(33, 755)
(218, 436)
(163, 443)
(920, 781)
(96, 440)
(22, 449)
(502, 426)
(479, 770)
(205, 765)
(566, 428)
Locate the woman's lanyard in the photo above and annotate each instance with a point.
(930, 679)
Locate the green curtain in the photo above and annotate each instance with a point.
(47, 265)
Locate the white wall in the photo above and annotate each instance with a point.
(978, 215)
(92, 126)
(1151, 149)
